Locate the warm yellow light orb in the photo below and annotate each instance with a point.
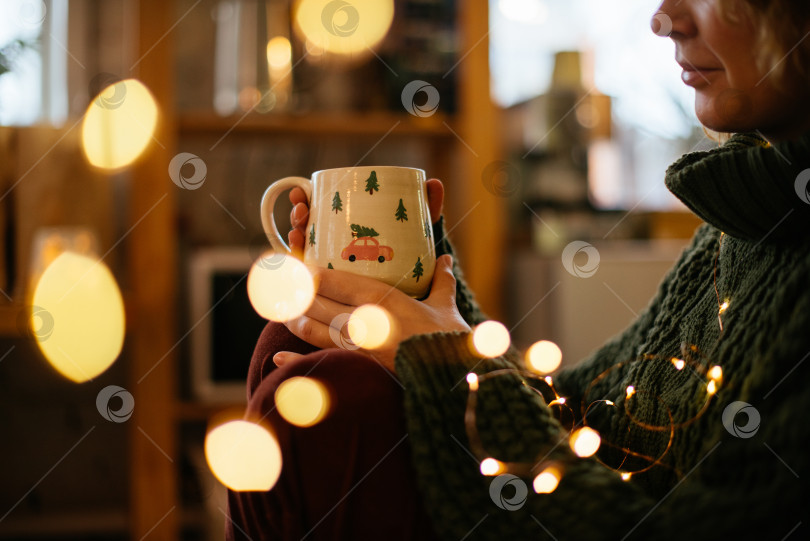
(302, 401)
(585, 442)
(78, 316)
(491, 339)
(491, 466)
(279, 53)
(342, 27)
(547, 481)
(543, 357)
(369, 326)
(716, 373)
(281, 290)
(472, 381)
(118, 124)
(244, 456)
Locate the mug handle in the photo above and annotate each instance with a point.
(268, 203)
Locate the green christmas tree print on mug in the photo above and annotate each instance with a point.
(401, 213)
(372, 184)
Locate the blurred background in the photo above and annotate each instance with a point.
(142, 134)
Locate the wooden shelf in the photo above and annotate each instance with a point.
(320, 124)
(199, 411)
(79, 524)
(9, 317)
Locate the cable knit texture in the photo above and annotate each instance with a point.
(710, 484)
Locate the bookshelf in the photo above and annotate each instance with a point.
(459, 145)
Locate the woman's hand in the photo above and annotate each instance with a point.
(300, 212)
(341, 292)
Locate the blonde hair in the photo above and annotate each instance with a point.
(781, 26)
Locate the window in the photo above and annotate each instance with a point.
(652, 110)
(33, 84)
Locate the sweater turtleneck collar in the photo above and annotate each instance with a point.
(748, 188)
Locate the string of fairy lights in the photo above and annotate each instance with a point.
(584, 440)
(238, 451)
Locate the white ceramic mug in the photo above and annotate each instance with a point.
(372, 221)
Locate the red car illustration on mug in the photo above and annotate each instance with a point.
(367, 249)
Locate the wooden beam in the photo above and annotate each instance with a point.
(483, 231)
(152, 265)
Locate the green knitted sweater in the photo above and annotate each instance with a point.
(709, 483)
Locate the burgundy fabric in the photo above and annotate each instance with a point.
(349, 476)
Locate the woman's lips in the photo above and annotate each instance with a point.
(696, 77)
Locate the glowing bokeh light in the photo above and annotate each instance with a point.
(280, 291)
(630, 391)
(244, 456)
(119, 124)
(490, 339)
(279, 53)
(679, 363)
(472, 381)
(716, 373)
(546, 482)
(585, 442)
(302, 401)
(626, 476)
(491, 466)
(369, 326)
(78, 316)
(343, 28)
(711, 388)
(543, 357)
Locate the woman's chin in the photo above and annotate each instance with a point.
(723, 117)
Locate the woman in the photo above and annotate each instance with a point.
(678, 459)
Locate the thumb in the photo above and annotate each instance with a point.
(283, 357)
(443, 288)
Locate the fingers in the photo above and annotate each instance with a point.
(297, 195)
(283, 357)
(298, 219)
(299, 215)
(435, 195)
(296, 240)
(311, 331)
(353, 290)
(313, 327)
(443, 288)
